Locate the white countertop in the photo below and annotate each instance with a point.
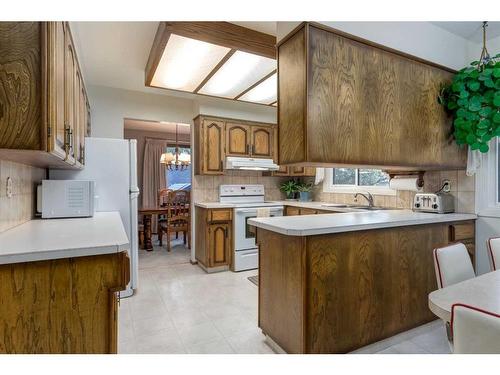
(43, 239)
(482, 292)
(312, 205)
(310, 225)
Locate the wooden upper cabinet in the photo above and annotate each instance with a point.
(209, 145)
(40, 101)
(262, 142)
(238, 140)
(215, 138)
(343, 100)
(56, 82)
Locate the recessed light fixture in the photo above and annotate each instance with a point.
(186, 62)
(263, 93)
(238, 73)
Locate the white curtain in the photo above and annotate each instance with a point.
(153, 175)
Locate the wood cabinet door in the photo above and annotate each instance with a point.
(297, 171)
(69, 96)
(262, 141)
(78, 123)
(56, 39)
(213, 147)
(292, 211)
(282, 171)
(219, 240)
(238, 140)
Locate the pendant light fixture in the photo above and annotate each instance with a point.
(176, 161)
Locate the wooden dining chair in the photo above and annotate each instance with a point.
(178, 218)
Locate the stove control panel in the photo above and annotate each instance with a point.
(241, 190)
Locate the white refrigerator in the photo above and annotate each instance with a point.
(112, 164)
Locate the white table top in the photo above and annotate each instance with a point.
(43, 239)
(482, 292)
(310, 225)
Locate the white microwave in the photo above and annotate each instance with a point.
(65, 198)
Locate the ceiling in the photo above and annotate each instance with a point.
(155, 126)
(114, 54)
(471, 30)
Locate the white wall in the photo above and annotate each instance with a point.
(421, 39)
(109, 106)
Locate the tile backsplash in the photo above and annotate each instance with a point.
(462, 188)
(206, 188)
(21, 206)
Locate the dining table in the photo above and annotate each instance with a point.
(482, 292)
(147, 215)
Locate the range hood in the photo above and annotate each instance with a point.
(251, 164)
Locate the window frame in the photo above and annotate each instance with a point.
(488, 203)
(330, 187)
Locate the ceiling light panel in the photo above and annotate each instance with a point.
(238, 73)
(264, 93)
(186, 62)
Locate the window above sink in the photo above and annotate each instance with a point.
(354, 180)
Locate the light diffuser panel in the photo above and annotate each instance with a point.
(186, 62)
(264, 93)
(238, 73)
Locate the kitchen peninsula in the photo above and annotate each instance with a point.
(333, 283)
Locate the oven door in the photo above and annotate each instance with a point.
(244, 237)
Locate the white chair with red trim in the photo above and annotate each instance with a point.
(452, 264)
(475, 331)
(493, 245)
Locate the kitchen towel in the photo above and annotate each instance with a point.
(263, 212)
(320, 176)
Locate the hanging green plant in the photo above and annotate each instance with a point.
(473, 99)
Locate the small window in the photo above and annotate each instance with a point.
(178, 179)
(353, 180)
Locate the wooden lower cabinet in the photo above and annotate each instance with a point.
(63, 305)
(335, 293)
(294, 211)
(291, 171)
(214, 243)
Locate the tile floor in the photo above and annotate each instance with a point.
(181, 309)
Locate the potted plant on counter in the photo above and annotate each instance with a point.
(290, 188)
(305, 191)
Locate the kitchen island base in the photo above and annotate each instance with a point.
(61, 306)
(334, 293)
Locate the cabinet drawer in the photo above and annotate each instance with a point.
(459, 232)
(308, 211)
(292, 211)
(220, 215)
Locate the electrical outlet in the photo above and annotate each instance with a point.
(446, 186)
(8, 187)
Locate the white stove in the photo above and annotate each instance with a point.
(249, 203)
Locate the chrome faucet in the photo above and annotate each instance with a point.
(367, 196)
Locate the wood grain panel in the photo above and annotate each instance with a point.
(219, 244)
(281, 287)
(213, 153)
(215, 215)
(364, 105)
(20, 85)
(339, 292)
(291, 100)
(61, 306)
(382, 280)
(262, 141)
(237, 139)
(460, 232)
